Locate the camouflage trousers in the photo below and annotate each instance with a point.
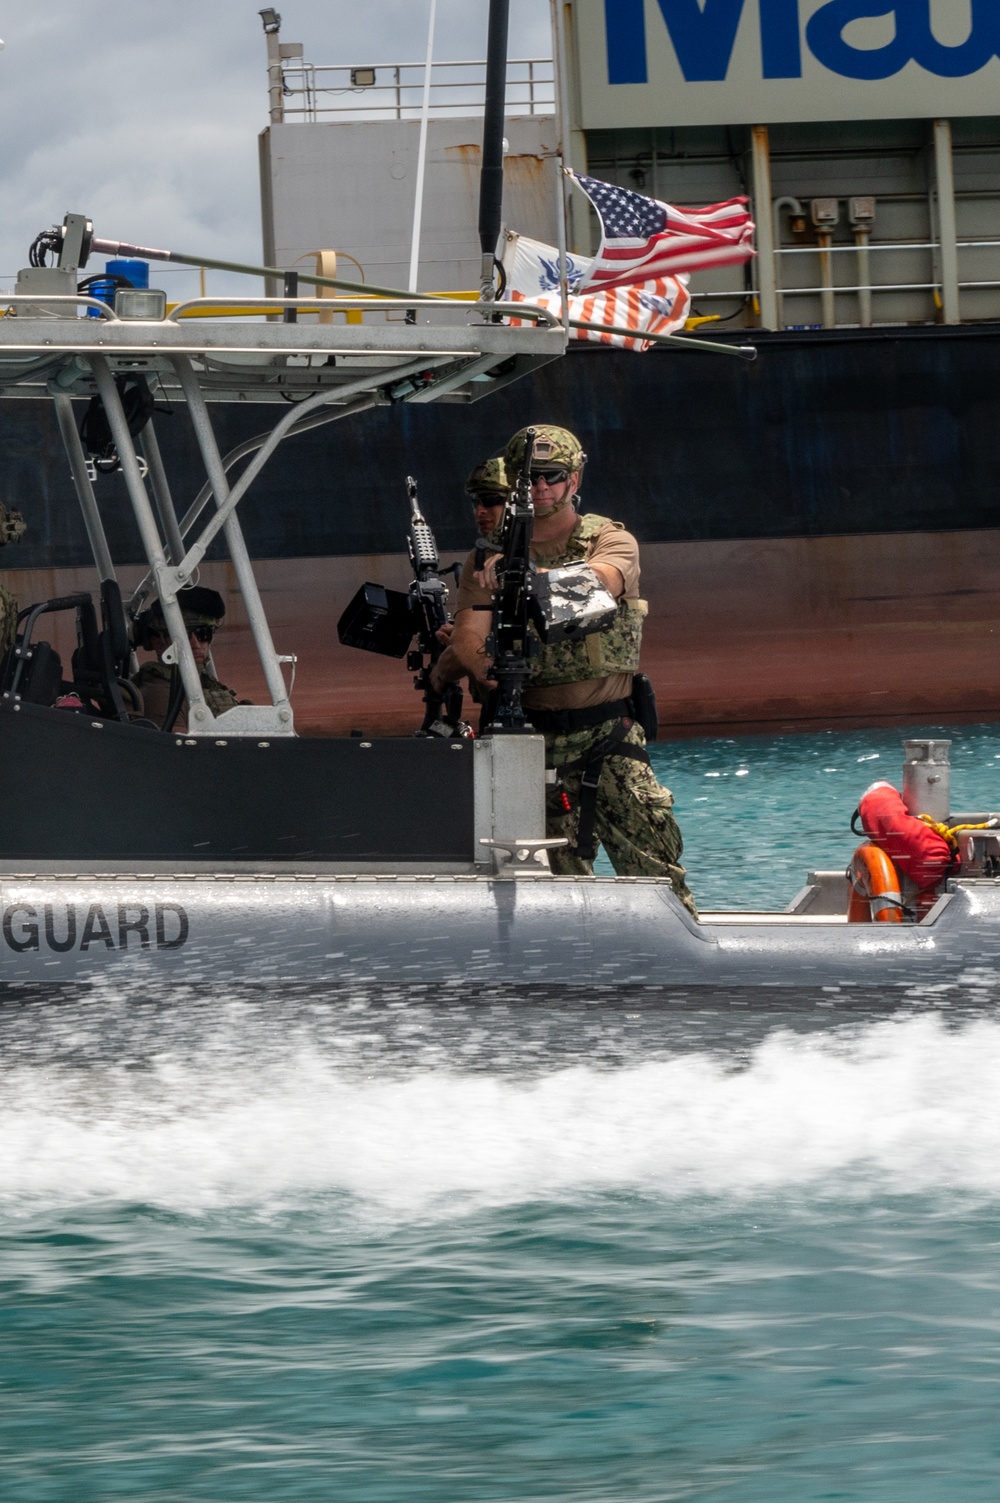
(633, 822)
(8, 621)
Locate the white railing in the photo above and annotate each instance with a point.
(860, 286)
(393, 91)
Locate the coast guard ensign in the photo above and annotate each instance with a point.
(714, 62)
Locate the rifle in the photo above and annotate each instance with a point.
(428, 600)
(509, 643)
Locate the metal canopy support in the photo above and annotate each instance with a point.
(212, 459)
(249, 446)
(944, 173)
(84, 490)
(161, 491)
(199, 716)
(288, 423)
(265, 446)
(304, 418)
(766, 281)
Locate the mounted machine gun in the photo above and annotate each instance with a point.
(388, 621)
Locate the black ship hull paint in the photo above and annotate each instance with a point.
(820, 543)
(871, 431)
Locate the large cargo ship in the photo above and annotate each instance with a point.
(819, 529)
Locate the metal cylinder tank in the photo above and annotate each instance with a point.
(927, 778)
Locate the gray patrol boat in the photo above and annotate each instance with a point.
(238, 853)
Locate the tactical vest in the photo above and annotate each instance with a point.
(217, 696)
(614, 650)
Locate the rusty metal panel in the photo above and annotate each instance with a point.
(349, 187)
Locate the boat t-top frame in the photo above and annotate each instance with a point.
(243, 350)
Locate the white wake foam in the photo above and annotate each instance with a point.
(901, 1106)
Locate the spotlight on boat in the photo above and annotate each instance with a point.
(270, 18)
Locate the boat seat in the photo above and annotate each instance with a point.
(825, 894)
(40, 680)
(101, 661)
(86, 661)
(99, 665)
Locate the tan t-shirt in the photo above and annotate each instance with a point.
(612, 545)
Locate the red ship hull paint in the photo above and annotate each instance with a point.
(743, 636)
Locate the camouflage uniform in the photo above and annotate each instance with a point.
(12, 528)
(200, 606)
(632, 813)
(633, 818)
(8, 621)
(155, 682)
(489, 479)
(633, 822)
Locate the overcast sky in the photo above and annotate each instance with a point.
(144, 114)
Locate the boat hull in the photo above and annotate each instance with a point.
(463, 937)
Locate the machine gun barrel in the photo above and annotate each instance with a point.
(429, 599)
(423, 548)
(510, 645)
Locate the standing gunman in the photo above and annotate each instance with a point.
(579, 693)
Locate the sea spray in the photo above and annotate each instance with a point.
(901, 1106)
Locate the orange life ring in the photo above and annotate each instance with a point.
(875, 895)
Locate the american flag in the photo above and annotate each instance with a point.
(658, 307)
(642, 239)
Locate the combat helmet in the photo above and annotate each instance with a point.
(553, 447)
(199, 605)
(488, 480)
(12, 526)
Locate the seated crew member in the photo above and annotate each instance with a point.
(12, 528)
(578, 693)
(203, 610)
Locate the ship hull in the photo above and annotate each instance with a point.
(818, 530)
(743, 636)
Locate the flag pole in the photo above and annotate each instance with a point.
(562, 133)
(425, 109)
(706, 346)
(491, 172)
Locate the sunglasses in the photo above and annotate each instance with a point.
(551, 477)
(200, 633)
(487, 500)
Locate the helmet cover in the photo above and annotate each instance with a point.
(554, 447)
(12, 526)
(488, 479)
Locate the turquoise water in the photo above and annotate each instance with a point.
(452, 1254)
(758, 811)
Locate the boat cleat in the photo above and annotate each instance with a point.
(522, 858)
